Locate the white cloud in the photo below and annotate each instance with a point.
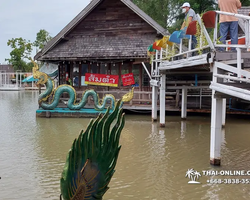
(26, 17)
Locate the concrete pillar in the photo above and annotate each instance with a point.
(216, 130)
(162, 100)
(184, 103)
(224, 112)
(154, 103)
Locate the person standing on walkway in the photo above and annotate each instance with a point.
(189, 17)
(227, 22)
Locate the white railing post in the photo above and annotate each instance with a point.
(210, 43)
(216, 29)
(154, 103)
(162, 100)
(247, 33)
(189, 45)
(224, 111)
(156, 56)
(172, 51)
(238, 62)
(159, 62)
(184, 103)
(216, 124)
(152, 69)
(180, 47)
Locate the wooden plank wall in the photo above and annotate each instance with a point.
(112, 18)
(110, 31)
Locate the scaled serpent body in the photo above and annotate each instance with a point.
(72, 97)
(45, 79)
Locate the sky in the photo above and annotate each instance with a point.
(26, 17)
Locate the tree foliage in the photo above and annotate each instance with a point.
(245, 2)
(168, 14)
(162, 11)
(21, 51)
(42, 38)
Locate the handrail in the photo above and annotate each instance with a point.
(210, 43)
(161, 56)
(233, 14)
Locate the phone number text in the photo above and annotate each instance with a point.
(229, 181)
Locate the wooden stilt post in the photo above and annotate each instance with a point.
(216, 130)
(184, 103)
(224, 112)
(162, 100)
(154, 103)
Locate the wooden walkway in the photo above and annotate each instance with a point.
(226, 74)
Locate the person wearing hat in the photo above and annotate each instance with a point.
(189, 17)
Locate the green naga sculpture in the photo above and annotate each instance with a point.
(43, 78)
(91, 161)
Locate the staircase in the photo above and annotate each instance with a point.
(230, 77)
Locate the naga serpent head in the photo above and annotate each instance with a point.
(42, 77)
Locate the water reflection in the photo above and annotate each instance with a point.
(152, 163)
(183, 129)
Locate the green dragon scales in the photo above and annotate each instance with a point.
(92, 158)
(99, 105)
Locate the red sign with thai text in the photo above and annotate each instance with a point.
(128, 79)
(101, 79)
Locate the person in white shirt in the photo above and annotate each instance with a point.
(190, 16)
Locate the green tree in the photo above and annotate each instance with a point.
(162, 11)
(42, 38)
(245, 2)
(168, 14)
(21, 51)
(201, 6)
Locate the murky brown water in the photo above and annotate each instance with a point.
(152, 163)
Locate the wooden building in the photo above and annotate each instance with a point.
(106, 37)
(6, 68)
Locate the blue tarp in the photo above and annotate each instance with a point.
(48, 68)
(29, 79)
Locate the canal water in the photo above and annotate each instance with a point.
(152, 164)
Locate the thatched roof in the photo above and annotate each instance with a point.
(81, 46)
